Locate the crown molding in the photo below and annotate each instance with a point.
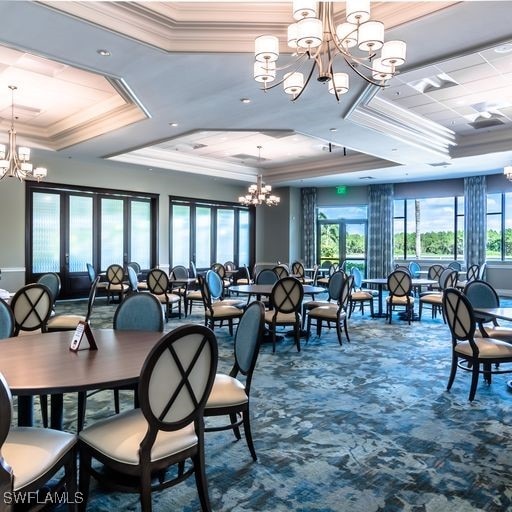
(177, 161)
(216, 26)
(391, 120)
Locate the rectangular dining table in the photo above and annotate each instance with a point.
(43, 364)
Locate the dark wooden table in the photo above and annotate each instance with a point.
(42, 364)
(266, 289)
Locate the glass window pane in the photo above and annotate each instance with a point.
(180, 235)
(80, 233)
(508, 225)
(413, 240)
(140, 233)
(343, 212)
(243, 238)
(329, 243)
(46, 233)
(494, 223)
(225, 235)
(203, 237)
(112, 227)
(436, 225)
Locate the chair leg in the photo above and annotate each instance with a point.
(236, 430)
(70, 478)
(82, 404)
(84, 478)
(273, 327)
(248, 434)
(345, 328)
(200, 475)
(296, 333)
(116, 401)
(308, 329)
(338, 333)
(145, 489)
(474, 380)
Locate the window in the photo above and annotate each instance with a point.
(431, 228)
(207, 232)
(71, 226)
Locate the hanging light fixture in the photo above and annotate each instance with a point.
(16, 162)
(315, 37)
(507, 171)
(259, 193)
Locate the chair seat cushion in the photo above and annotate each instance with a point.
(225, 312)
(403, 300)
(194, 295)
(142, 285)
(323, 281)
(226, 391)
(236, 303)
(432, 298)
(243, 280)
(328, 312)
(170, 298)
(64, 321)
(312, 304)
(488, 348)
(499, 333)
(281, 318)
(31, 452)
(119, 438)
(361, 295)
(118, 287)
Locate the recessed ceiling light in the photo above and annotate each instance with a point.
(504, 48)
(245, 100)
(332, 129)
(394, 149)
(173, 124)
(103, 52)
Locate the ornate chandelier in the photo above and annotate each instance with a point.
(259, 193)
(315, 37)
(16, 163)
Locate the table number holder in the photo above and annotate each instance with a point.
(81, 329)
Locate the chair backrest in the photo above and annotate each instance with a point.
(139, 312)
(482, 295)
(434, 271)
(52, 281)
(6, 320)
(399, 283)
(175, 382)
(298, 269)
(115, 274)
(335, 284)
(92, 298)
(205, 292)
(91, 272)
(448, 278)
(287, 295)
(5, 426)
(481, 272)
(459, 316)
(358, 277)
(193, 269)
(178, 272)
(281, 271)
(266, 276)
(247, 341)
(229, 265)
(215, 284)
(414, 269)
(403, 268)
(158, 281)
(132, 279)
(472, 273)
(220, 269)
(135, 266)
(346, 288)
(326, 264)
(455, 265)
(246, 273)
(31, 307)
(333, 268)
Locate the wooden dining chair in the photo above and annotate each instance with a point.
(115, 282)
(230, 394)
(32, 457)
(399, 285)
(168, 428)
(6, 320)
(159, 286)
(480, 353)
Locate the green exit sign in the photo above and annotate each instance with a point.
(341, 190)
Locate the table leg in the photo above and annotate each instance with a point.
(380, 313)
(25, 411)
(56, 411)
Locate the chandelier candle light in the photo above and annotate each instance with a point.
(315, 37)
(259, 193)
(16, 163)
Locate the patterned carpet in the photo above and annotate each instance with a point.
(363, 427)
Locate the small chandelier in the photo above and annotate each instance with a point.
(259, 193)
(507, 171)
(16, 163)
(315, 37)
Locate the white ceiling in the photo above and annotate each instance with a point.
(190, 63)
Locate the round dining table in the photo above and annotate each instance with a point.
(43, 364)
(266, 289)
